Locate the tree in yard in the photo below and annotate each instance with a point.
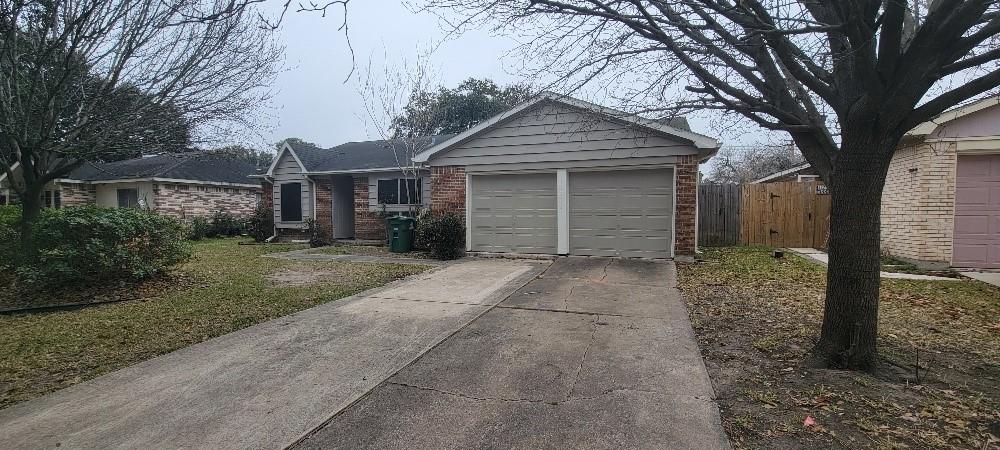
(101, 80)
(394, 94)
(453, 111)
(746, 164)
(846, 81)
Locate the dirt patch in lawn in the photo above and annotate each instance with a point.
(370, 250)
(757, 317)
(305, 276)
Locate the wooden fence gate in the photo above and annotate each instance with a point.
(789, 214)
(719, 208)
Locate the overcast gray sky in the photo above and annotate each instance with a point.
(314, 103)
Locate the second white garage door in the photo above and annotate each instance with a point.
(621, 213)
(513, 213)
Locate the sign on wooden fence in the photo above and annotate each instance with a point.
(789, 214)
(719, 214)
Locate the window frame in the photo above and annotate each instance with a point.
(118, 194)
(401, 188)
(283, 209)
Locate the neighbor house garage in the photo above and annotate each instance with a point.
(554, 175)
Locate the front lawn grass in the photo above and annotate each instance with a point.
(226, 287)
(757, 318)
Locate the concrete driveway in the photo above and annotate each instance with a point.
(595, 353)
(268, 385)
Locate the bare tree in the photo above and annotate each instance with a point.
(387, 94)
(749, 163)
(846, 80)
(84, 80)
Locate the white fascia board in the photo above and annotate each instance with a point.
(284, 148)
(13, 167)
(782, 173)
(375, 170)
(158, 180)
(700, 141)
(928, 127)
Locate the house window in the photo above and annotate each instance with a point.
(399, 191)
(53, 199)
(291, 202)
(128, 198)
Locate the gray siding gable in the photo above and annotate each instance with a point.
(287, 170)
(555, 132)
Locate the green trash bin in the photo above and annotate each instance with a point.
(401, 229)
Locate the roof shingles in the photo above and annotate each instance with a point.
(192, 166)
(365, 155)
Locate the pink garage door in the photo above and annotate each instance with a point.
(977, 212)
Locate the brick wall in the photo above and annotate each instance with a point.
(185, 202)
(918, 203)
(324, 205)
(77, 194)
(367, 224)
(448, 190)
(687, 190)
(267, 194)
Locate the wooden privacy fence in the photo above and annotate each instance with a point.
(789, 214)
(719, 208)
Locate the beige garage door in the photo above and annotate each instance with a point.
(621, 213)
(977, 212)
(513, 213)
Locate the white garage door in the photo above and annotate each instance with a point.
(513, 213)
(621, 213)
(977, 212)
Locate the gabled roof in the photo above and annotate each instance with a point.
(776, 175)
(709, 145)
(928, 127)
(356, 156)
(191, 166)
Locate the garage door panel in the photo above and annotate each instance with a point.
(977, 212)
(513, 213)
(621, 213)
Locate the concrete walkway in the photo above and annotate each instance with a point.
(267, 385)
(821, 257)
(596, 353)
(986, 277)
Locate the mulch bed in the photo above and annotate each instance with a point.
(938, 384)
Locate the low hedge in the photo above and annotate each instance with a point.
(442, 234)
(86, 245)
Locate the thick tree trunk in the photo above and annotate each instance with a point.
(850, 319)
(31, 208)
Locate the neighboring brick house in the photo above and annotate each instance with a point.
(554, 175)
(941, 201)
(181, 185)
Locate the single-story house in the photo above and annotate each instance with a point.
(941, 202)
(554, 175)
(181, 185)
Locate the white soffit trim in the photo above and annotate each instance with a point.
(13, 167)
(284, 147)
(782, 173)
(700, 141)
(928, 127)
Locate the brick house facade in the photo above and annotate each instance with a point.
(448, 190)
(511, 154)
(918, 202)
(179, 185)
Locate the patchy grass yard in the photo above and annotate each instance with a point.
(757, 317)
(369, 250)
(225, 287)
